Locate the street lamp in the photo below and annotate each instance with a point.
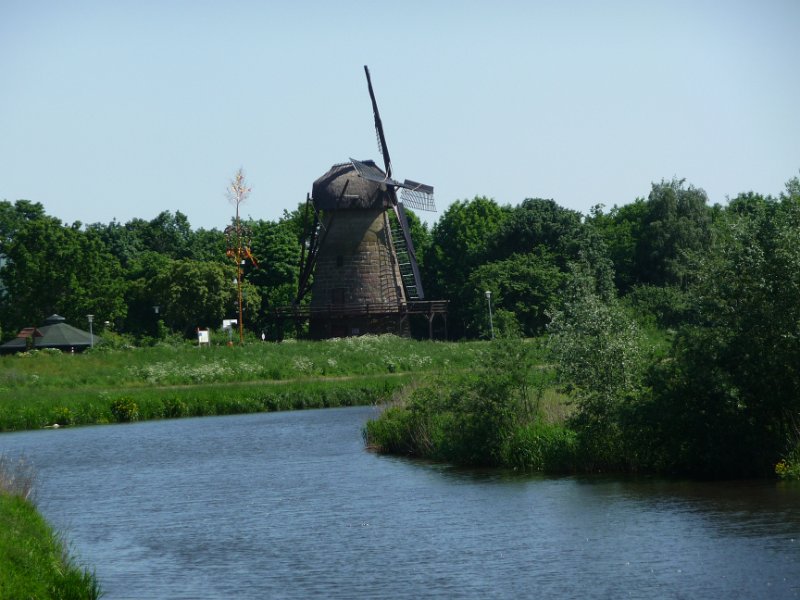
(488, 295)
(91, 333)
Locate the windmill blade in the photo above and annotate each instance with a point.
(387, 162)
(417, 195)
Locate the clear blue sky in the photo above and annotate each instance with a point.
(122, 109)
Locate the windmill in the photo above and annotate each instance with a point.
(359, 249)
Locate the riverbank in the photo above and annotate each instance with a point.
(34, 562)
(49, 388)
(505, 412)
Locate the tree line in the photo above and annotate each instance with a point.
(144, 279)
(647, 253)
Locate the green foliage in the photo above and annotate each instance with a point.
(196, 294)
(277, 249)
(536, 224)
(523, 287)
(458, 246)
(668, 306)
(52, 268)
(543, 447)
(727, 400)
(676, 219)
(470, 419)
(621, 229)
(601, 356)
(125, 410)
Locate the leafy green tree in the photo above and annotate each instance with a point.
(276, 248)
(676, 220)
(621, 229)
(536, 223)
(207, 245)
(142, 297)
(727, 402)
(169, 234)
(601, 356)
(14, 216)
(53, 268)
(200, 294)
(458, 246)
(525, 286)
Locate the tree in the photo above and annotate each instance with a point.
(676, 219)
(195, 294)
(52, 268)
(525, 286)
(277, 249)
(601, 356)
(536, 223)
(621, 229)
(14, 216)
(727, 403)
(458, 246)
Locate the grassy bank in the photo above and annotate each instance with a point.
(506, 412)
(34, 562)
(44, 388)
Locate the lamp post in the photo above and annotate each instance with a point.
(156, 310)
(91, 333)
(488, 295)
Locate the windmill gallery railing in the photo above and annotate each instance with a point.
(429, 309)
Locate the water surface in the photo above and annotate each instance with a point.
(290, 505)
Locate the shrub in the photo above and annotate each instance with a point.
(125, 409)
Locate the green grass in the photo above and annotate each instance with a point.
(40, 389)
(34, 562)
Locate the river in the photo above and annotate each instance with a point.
(290, 505)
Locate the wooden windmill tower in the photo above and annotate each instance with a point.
(359, 262)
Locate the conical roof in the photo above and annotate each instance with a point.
(56, 333)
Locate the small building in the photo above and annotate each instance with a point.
(55, 333)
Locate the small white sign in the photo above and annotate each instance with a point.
(202, 336)
(229, 323)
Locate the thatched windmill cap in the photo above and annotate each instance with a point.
(342, 188)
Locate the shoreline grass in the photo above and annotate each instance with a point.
(34, 561)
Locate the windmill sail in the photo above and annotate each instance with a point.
(417, 195)
(387, 162)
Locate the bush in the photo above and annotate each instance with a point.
(125, 410)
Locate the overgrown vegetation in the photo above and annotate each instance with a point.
(504, 412)
(34, 562)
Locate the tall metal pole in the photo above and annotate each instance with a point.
(239, 279)
(91, 333)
